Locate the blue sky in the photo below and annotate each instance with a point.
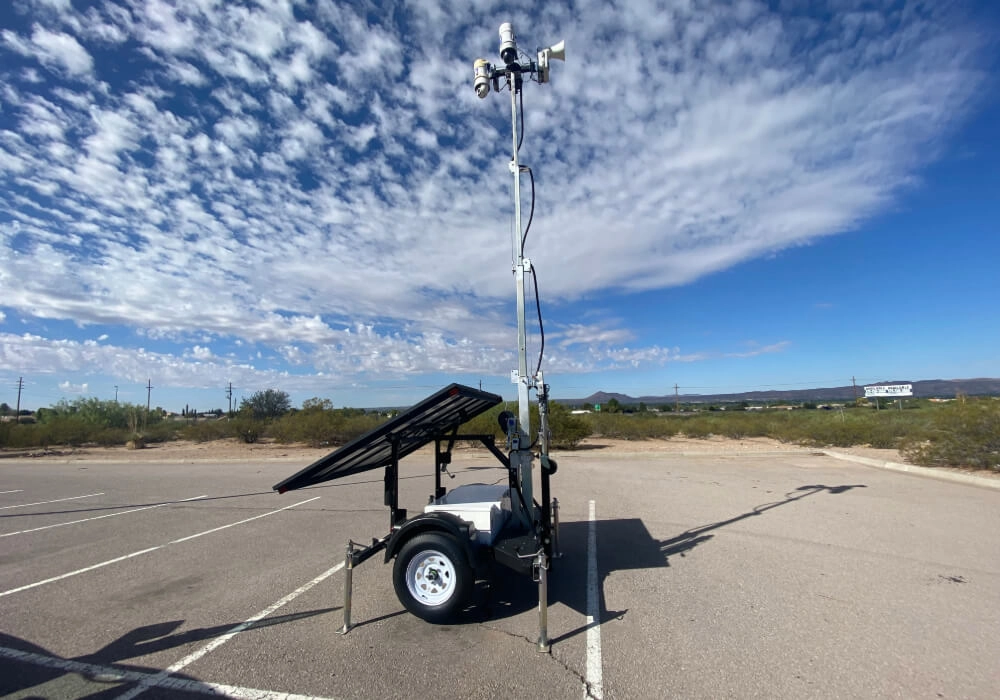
(310, 197)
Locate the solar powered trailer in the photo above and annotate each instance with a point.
(438, 551)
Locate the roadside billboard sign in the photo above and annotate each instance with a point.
(891, 390)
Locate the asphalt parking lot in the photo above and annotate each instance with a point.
(788, 575)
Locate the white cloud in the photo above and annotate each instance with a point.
(56, 48)
(199, 352)
(71, 388)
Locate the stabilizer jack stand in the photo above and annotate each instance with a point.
(556, 549)
(543, 602)
(348, 584)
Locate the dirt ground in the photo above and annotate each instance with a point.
(231, 450)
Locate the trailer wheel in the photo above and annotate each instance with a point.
(432, 578)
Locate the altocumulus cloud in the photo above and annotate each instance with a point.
(301, 178)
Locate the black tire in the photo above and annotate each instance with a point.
(432, 577)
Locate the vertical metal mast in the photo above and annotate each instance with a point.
(524, 381)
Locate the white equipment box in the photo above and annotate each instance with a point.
(486, 506)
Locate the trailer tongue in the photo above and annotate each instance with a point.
(438, 551)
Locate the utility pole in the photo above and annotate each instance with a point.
(677, 400)
(149, 389)
(229, 395)
(116, 393)
(17, 411)
(855, 383)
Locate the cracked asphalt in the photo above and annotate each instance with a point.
(787, 575)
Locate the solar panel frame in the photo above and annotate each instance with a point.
(434, 417)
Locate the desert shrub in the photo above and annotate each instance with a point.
(24, 435)
(629, 426)
(698, 427)
(108, 437)
(159, 432)
(247, 430)
(962, 434)
(66, 429)
(567, 430)
(321, 426)
(207, 430)
(487, 424)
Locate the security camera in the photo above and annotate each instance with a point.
(482, 69)
(508, 44)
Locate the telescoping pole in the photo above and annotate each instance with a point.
(522, 457)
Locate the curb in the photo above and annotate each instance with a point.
(960, 477)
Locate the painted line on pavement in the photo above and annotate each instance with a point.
(14, 491)
(99, 517)
(162, 676)
(42, 503)
(595, 671)
(146, 551)
(122, 676)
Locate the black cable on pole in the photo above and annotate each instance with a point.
(520, 136)
(531, 214)
(541, 328)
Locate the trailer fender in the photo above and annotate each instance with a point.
(447, 523)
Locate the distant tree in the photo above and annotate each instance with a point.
(317, 404)
(642, 407)
(269, 403)
(613, 406)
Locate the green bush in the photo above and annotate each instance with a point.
(964, 433)
(321, 426)
(207, 430)
(247, 430)
(629, 426)
(567, 430)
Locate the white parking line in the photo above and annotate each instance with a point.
(42, 503)
(595, 671)
(181, 684)
(14, 491)
(146, 551)
(99, 517)
(162, 676)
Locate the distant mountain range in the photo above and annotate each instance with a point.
(927, 388)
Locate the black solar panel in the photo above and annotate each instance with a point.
(434, 416)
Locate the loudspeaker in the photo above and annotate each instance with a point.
(557, 51)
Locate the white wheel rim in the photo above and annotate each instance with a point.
(430, 578)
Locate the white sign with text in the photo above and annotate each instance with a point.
(889, 390)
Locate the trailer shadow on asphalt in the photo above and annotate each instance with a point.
(622, 544)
